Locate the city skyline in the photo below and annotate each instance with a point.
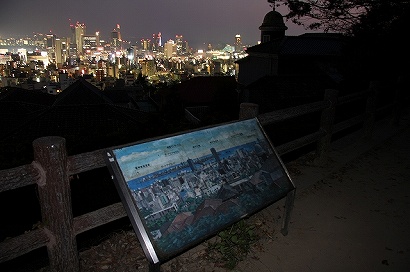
(200, 23)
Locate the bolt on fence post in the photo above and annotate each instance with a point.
(55, 202)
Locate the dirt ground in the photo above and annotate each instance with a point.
(350, 214)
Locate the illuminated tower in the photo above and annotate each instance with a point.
(179, 44)
(51, 41)
(51, 47)
(159, 39)
(238, 43)
(145, 44)
(156, 41)
(89, 43)
(72, 47)
(116, 41)
(170, 49)
(79, 33)
(62, 50)
(97, 38)
(72, 31)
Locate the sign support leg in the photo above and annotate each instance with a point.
(290, 199)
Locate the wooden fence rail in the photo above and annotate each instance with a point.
(51, 169)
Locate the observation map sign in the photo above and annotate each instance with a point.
(181, 189)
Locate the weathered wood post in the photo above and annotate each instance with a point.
(326, 124)
(50, 155)
(248, 110)
(368, 126)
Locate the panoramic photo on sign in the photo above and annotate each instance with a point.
(190, 186)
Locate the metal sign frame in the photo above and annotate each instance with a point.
(181, 189)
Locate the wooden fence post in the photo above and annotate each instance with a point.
(55, 201)
(326, 125)
(248, 110)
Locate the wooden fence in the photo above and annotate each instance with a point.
(51, 170)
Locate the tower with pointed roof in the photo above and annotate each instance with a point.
(283, 67)
(272, 27)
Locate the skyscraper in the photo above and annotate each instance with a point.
(72, 47)
(238, 43)
(80, 30)
(90, 42)
(181, 45)
(170, 49)
(51, 47)
(145, 44)
(62, 50)
(116, 40)
(156, 41)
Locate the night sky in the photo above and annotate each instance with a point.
(199, 22)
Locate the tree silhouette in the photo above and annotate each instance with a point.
(341, 16)
(377, 47)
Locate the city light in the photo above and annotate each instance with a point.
(82, 54)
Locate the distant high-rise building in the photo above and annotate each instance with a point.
(51, 47)
(148, 67)
(90, 42)
(186, 47)
(238, 43)
(116, 40)
(145, 44)
(80, 31)
(97, 39)
(170, 49)
(72, 32)
(51, 41)
(72, 47)
(156, 41)
(179, 44)
(62, 50)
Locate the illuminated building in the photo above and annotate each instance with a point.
(62, 50)
(51, 46)
(51, 41)
(72, 50)
(148, 67)
(99, 74)
(145, 44)
(89, 42)
(80, 30)
(238, 43)
(170, 49)
(116, 40)
(157, 42)
(179, 44)
(97, 39)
